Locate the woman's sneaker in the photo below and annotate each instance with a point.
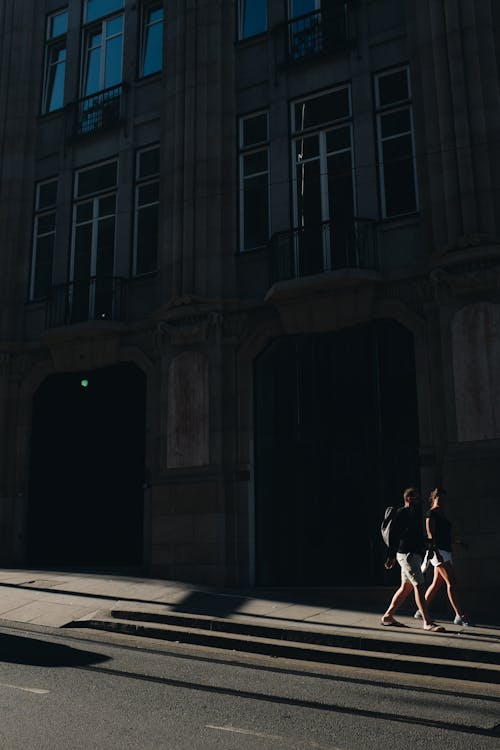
(462, 620)
(418, 615)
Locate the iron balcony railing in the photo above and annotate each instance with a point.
(330, 246)
(320, 32)
(96, 298)
(99, 111)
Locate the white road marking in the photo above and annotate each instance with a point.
(262, 735)
(38, 691)
(247, 731)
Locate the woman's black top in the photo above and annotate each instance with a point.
(442, 529)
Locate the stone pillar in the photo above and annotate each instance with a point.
(457, 99)
(198, 123)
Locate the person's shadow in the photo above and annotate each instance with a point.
(23, 650)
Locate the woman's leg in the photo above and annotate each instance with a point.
(446, 573)
(435, 586)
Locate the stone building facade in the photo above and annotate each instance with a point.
(250, 284)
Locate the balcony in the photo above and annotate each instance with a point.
(318, 33)
(96, 298)
(99, 111)
(331, 246)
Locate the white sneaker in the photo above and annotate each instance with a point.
(463, 621)
(418, 615)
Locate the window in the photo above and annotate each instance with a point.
(146, 210)
(252, 18)
(43, 239)
(254, 181)
(324, 190)
(152, 39)
(93, 244)
(103, 55)
(396, 147)
(55, 62)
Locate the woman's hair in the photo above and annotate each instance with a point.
(435, 492)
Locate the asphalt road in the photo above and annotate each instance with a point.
(71, 692)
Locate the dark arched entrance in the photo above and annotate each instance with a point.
(87, 468)
(336, 440)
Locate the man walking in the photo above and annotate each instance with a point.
(405, 545)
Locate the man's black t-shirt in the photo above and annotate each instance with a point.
(442, 530)
(406, 532)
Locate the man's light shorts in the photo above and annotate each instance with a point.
(410, 564)
(445, 558)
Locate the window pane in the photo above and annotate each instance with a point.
(254, 130)
(57, 24)
(93, 77)
(148, 194)
(309, 194)
(338, 139)
(46, 223)
(149, 163)
(42, 279)
(114, 26)
(396, 122)
(393, 88)
(147, 239)
(105, 247)
(253, 17)
(113, 71)
(322, 109)
(253, 163)
(399, 184)
(83, 240)
(107, 205)
(47, 195)
(301, 7)
(97, 179)
(397, 148)
(84, 211)
(307, 148)
(256, 212)
(55, 79)
(99, 8)
(153, 43)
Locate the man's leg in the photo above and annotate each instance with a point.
(397, 600)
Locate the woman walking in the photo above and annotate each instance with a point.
(440, 540)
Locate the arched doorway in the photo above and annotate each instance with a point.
(336, 440)
(87, 468)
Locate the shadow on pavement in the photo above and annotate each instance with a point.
(20, 650)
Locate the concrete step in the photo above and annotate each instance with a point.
(299, 644)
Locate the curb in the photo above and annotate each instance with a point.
(324, 648)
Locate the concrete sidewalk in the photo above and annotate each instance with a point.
(311, 625)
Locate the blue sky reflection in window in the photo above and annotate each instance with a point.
(252, 18)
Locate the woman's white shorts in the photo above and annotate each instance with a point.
(445, 558)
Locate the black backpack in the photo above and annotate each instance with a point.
(386, 525)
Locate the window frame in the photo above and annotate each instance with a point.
(398, 105)
(96, 195)
(90, 28)
(138, 184)
(146, 8)
(240, 22)
(321, 131)
(243, 151)
(38, 214)
(56, 42)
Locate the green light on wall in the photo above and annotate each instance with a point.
(84, 383)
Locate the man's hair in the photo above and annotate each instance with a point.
(409, 491)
